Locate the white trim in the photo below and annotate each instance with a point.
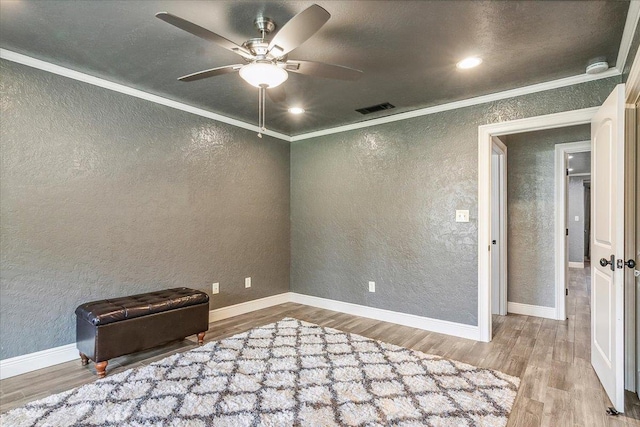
(116, 87)
(53, 356)
(499, 147)
(574, 264)
(525, 90)
(548, 121)
(629, 31)
(96, 81)
(632, 348)
(38, 360)
(419, 322)
(485, 145)
(560, 238)
(485, 132)
(531, 310)
(247, 307)
(632, 91)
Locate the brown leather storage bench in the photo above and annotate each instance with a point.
(111, 328)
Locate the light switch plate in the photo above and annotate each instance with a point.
(215, 288)
(247, 282)
(462, 215)
(577, 218)
(372, 286)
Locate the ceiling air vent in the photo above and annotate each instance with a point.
(375, 108)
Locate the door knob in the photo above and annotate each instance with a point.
(630, 263)
(611, 263)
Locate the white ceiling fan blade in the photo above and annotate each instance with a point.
(205, 74)
(298, 30)
(321, 69)
(203, 33)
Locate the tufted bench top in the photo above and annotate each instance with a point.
(114, 310)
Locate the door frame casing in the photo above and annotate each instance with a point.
(500, 149)
(632, 339)
(485, 148)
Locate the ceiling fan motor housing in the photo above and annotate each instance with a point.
(264, 25)
(258, 47)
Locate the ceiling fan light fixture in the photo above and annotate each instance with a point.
(470, 62)
(263, 74)
(296, 110)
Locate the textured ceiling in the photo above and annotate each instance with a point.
(407, 50)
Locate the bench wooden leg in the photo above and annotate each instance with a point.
(84, 359)
(101, 368)
(201, 338)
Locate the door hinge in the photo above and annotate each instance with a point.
(566, 231)
(567, 171)
(566, 292)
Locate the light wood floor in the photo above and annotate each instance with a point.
(559, 387)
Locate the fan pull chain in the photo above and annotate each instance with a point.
(262, 91)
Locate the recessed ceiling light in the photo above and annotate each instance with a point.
(470, 62)
(296, 110)
(571, 157)
(570, 169)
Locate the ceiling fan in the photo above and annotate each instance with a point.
(266, 60)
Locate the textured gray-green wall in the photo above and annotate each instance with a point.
(379, 204)
(531, 212)
(105, 195)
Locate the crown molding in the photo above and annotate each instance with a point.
(524, 90)
(116, 87)
(630, 25)
(96, 81)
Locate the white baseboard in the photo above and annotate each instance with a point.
(573, 264)
(38, 360)
(419, 322)
(54, 356)
(247, 307)
(531, 310)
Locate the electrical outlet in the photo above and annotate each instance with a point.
(215, 288)
(247, 282)
(462, 216)
(372, 286)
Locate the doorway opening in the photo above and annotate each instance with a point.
(486, 134)
(531, 277)
(573, 167)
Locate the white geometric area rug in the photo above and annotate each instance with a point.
(288, 373)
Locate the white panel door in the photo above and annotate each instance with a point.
(495, 234)
(607, 278)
